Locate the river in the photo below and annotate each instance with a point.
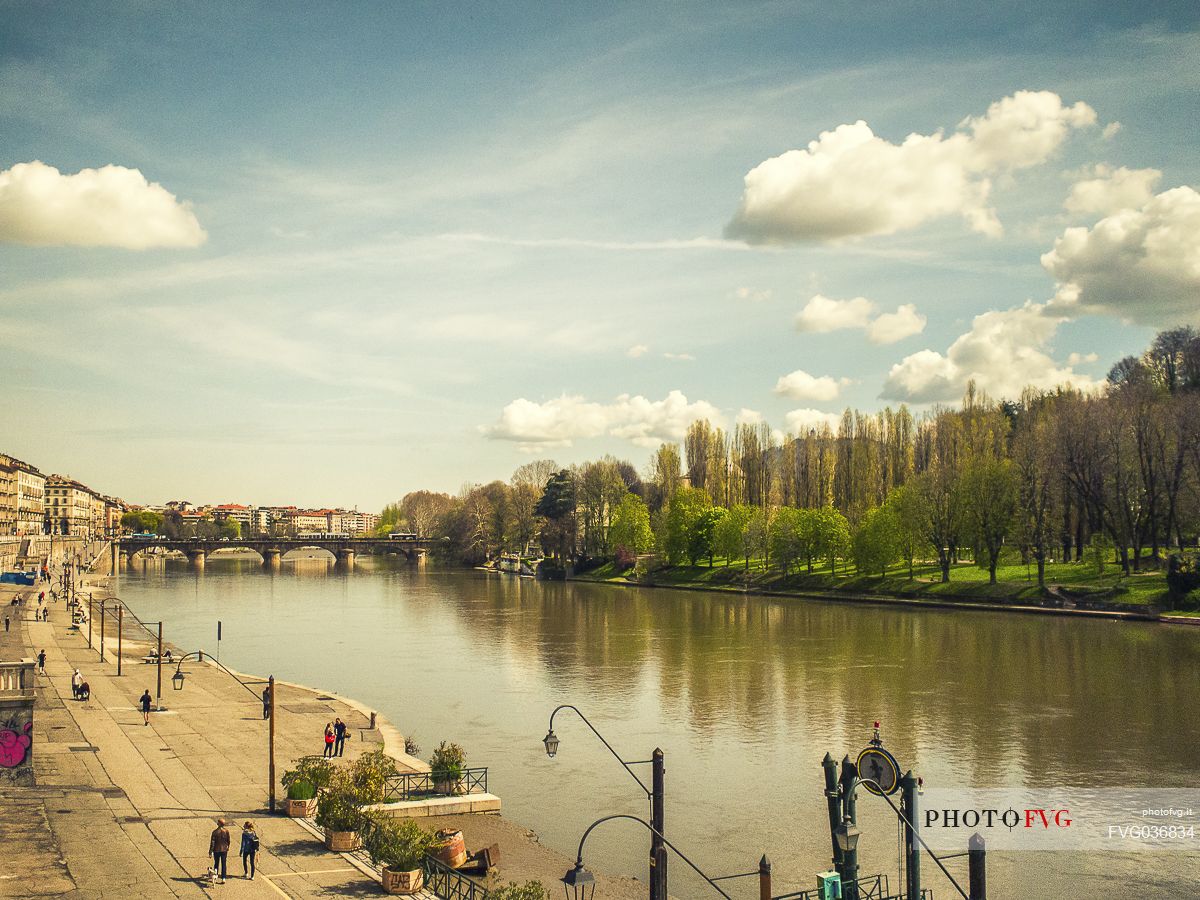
(744, 695)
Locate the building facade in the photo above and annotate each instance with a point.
(69, 507)
(24, 505)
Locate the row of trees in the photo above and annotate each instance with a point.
(1049, 474)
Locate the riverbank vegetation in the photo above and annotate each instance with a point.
(1088, 492)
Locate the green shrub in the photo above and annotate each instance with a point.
(369, 775)
(316, 770)
(530, 890)
(447, 762)
(340, 806)
(399, 844)
(301, 790)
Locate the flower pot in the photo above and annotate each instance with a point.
(451, 848)
(450, 787)
(400, 882)
(341, 841)
(301, 809)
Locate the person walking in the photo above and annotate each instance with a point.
(266, 697)
(76, 684)
(249, 849)
(328, 740)
(146, 701)
(339, 737)
(218, 847)
(6, 623)
(42, 662)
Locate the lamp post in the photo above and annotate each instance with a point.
(655, 794)
(158, 707)
(177, 681)
(580, 884)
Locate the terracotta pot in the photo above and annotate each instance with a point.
(451, 787)
(451, 848)
(341, 841)
(301, 809)
(398, 882)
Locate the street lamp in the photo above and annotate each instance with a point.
(655, 794)
(268, 700)
(847, 835)
(580, 884)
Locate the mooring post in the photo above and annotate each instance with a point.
(764, 878)
(912, 848)
(834, 803)
(849, 813)
(977, 866)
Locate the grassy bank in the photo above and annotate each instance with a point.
(1066, 583)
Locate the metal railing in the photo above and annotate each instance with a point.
(450, 884)
(422, 785)
(874, 887)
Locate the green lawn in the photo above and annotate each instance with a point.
(1016, 582)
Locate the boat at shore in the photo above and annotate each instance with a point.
(517, 564)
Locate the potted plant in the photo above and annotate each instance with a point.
(399, 845)
(446, 768)
(303, 783)
(340, 813)
(370, 773)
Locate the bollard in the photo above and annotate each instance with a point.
(764, 878)
(977, 866)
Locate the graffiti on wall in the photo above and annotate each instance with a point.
(16, 737)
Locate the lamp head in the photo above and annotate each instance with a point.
(551, 742)
(847, 835)
(579, 883)
(177, 680)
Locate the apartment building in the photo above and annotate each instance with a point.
(24, 505)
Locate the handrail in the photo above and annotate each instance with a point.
(450, 884)
(407, 785)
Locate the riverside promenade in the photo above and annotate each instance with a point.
(121, 809)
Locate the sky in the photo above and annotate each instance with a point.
(327, 254)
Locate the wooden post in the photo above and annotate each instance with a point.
(764, 878)
(271, 742)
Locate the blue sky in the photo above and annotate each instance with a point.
(402, 246)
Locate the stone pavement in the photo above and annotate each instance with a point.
(122, 809)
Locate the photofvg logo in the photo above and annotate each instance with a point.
(1129, 819)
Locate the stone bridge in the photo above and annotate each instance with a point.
(272, 549)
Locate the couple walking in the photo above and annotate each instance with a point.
(218, 848)
(335, 738)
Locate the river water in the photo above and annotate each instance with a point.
(744, 695)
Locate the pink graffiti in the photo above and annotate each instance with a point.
(13, 746)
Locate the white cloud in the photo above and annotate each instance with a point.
(1110, 130)
(850, 182)
(823, 314)
(107, 207)
(753, 295)
(637, 350)
(1004, 352)
(892, 327)
(679, 357)
(799, 385)
(1140, 264)
(1109, 190)
(801, 421)
(748, 417)
(564, 419)
(1075, 359)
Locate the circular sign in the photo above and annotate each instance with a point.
(881, 767)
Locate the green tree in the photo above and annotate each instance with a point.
(787, 537)
(730, 537)
(630, 526)
(990, 498)
(907, 506)
(877, 540)
(701, 538)
(831, 536)
(687, 505)
(229, 528)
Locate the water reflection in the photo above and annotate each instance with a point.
(745, 694)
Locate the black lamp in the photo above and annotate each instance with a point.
(551, 742)
(847, 835)
(579, 883)
(177, 680)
